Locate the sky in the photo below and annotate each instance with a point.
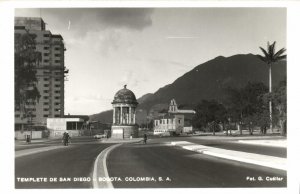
(148, 48)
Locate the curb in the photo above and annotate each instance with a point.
(100, 169)
(251, 158)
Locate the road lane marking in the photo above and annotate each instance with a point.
(100, 169)
(258, 159)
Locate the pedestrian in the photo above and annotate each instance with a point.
(145, 138)
(28, 138)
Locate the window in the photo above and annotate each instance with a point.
(57, 97)
(46, 85)
(19, 27)
(57, 85)
(46, 103)
(46, 79)
(57, 103)
(56, 79)
(17, 115)
(46, 47)
(179, 121)
(45, 115)
(57, 61)
(56, 115)
(45, 97)
(46, 35)
(46, 91)
(57, 73)
(46, 72)
(46, 109)
(57, 109)
(57, 55)
(57, 92)
(46, 54)
(46, 61)
(57, 48)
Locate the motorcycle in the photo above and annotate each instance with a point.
(66, 140)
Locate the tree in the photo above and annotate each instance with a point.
(26, 61)
(246, 105)
(270, 57)
(209, 114)
(279, 100)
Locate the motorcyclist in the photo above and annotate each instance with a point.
(66, 138)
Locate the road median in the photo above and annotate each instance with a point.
(258, 159)
(100, 169)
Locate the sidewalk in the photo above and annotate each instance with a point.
(258, 159)
(23, 142)
(238, 137)
(26, 152)
(273, 143)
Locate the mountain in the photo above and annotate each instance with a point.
(144, 98)
(208, 81)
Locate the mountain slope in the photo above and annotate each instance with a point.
(209, 81)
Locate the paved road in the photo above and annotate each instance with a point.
(178, 168)
(21, 145)
(76, 160)
(183, 169)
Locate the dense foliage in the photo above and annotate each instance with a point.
(26, 61)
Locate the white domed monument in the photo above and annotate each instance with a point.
(124, 114)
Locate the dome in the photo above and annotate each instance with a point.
(125, 96)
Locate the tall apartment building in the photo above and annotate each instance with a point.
(50, 73)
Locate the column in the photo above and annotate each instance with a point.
(114, 115)
(134, 116)
(130, 116)
(121, 115)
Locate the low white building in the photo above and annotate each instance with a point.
(175, 121)
(57, 126)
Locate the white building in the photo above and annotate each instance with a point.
(57, 126)
(175, 121)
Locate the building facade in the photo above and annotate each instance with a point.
(57, 126)
(124, 114)
(50, 73)
(175, 121)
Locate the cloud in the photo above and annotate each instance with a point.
(133, 18)
(83, 20)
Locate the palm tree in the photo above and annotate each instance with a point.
(270, 57)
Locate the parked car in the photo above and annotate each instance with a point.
(99, 136)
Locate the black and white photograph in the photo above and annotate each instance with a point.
(126, 97)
